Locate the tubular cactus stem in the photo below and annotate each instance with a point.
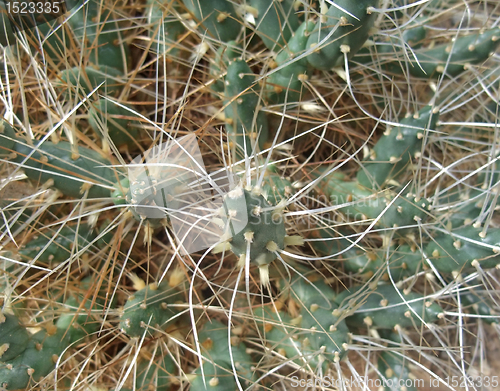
(79, 324)
(465, 50)
(149, 309)
(53, 246)
(14, 338)
(276, 189)
(217, 16)
(478, 302)
(156, 374)
(36, 361)
(108, 119)
(396, 149)
(218, 372)
(394, 368)
(275, 21)
(70, 176)
(385, 308)
(246, 125)
(413, 36)
(224, 55)
(349, 33)
(449, 253)
(316, 336)
(97, 30)
(82, 81)
(358, 202)
(252, 222)
(290, 77)
(49, 161)
(170, 28)
(402, 260)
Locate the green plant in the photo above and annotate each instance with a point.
(341, 202)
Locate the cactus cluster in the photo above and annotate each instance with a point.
(316, 184)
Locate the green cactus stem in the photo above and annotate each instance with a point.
(96, 29)
(72, 175)
(464, 249)
(385, 307)
(275, 188)
(314, 335)
(81, 81)
(358, 202)
(396, 149)
(246, 123)
(316, 302)
(155, 374)
(54, 246)
(218, 371)
(149, 309)
(454, 57)
(287, 81)
(36, 361)
(165, 29)
(224, 55)
(253, 223)
(14, 338)
(275, 21)
(79, 323)
(217, 16)
(394, 369)
(351, 23)
(108, 119)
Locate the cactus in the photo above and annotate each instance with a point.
(149, 309)
(275, 22)
(464, 248)
(27, 358)
(385, 307)
(316, 300)
(217, 16)
(430, 182)
(452, 58)
(347, 26)
(360, 203)
(14, 338)
(218, 374)
(413, 36)
(108, 119)
(287, 81)
(73, 172)
(477, 302)
(315, 337)
(397, 148)
(246, 124)
(394, 370)
(276, 189)
(54, 246)
(36, 360)
(75, 319)
(166, 34)
(82, 81)
(96, 28)
(53, 41)
(402, 261)
(8, 138)
(156, 374)
(224, 55)
(258, 227)
(7, 36)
